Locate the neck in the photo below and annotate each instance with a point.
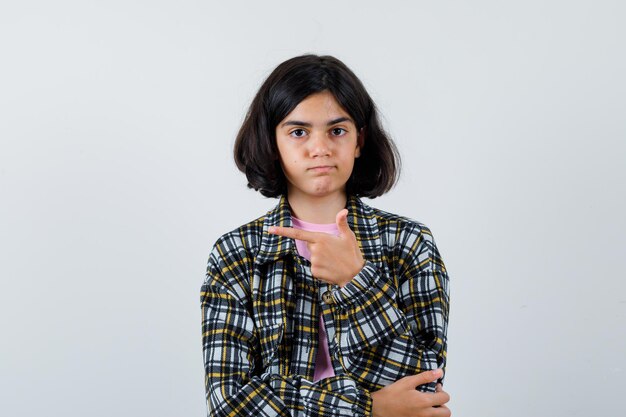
(315, 209)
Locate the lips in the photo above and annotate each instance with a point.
(321, 168)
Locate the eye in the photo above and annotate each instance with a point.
(339, 131)
(297, 133)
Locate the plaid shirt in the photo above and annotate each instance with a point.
(260, 312)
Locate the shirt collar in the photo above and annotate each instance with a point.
(361, 220)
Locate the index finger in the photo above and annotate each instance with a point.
(422, 378)
(294, 233)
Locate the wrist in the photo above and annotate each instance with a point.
(375, 404)
(357, 270)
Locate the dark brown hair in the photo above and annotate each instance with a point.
(256, 154)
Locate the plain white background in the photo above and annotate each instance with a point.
(117, 120)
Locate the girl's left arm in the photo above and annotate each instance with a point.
(407, 296)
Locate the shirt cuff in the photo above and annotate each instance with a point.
(363, 286)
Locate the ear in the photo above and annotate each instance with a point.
(359, 142)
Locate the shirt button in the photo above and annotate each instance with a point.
(328, 298)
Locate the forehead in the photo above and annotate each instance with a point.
(321, 106)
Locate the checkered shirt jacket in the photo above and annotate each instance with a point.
(261, 306)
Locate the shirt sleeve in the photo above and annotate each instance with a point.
(236, 386)
(409, 295)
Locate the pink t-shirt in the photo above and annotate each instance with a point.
(323, 364)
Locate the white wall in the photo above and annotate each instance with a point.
(117, 120)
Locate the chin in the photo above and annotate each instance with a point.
(325, 191)
(320, 189)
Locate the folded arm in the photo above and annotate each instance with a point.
(412, 300)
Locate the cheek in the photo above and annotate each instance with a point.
(349, 158)
(289, 166)
(287, 155)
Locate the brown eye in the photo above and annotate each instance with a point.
(338, 131)
(297, 133)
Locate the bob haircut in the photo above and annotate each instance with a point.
(256, 154)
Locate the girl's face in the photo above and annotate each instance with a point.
(317, 143)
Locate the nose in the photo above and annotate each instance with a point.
(320, 145)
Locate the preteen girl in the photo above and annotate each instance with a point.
(323, 306)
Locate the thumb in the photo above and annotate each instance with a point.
(342, 222)
(422, 378)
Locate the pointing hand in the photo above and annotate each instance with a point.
(334, 259)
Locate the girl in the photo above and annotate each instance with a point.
(324, 305)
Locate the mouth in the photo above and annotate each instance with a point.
(321, 168)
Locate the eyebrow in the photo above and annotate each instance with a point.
(306, 124)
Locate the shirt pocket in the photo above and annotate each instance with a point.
(270, 338)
